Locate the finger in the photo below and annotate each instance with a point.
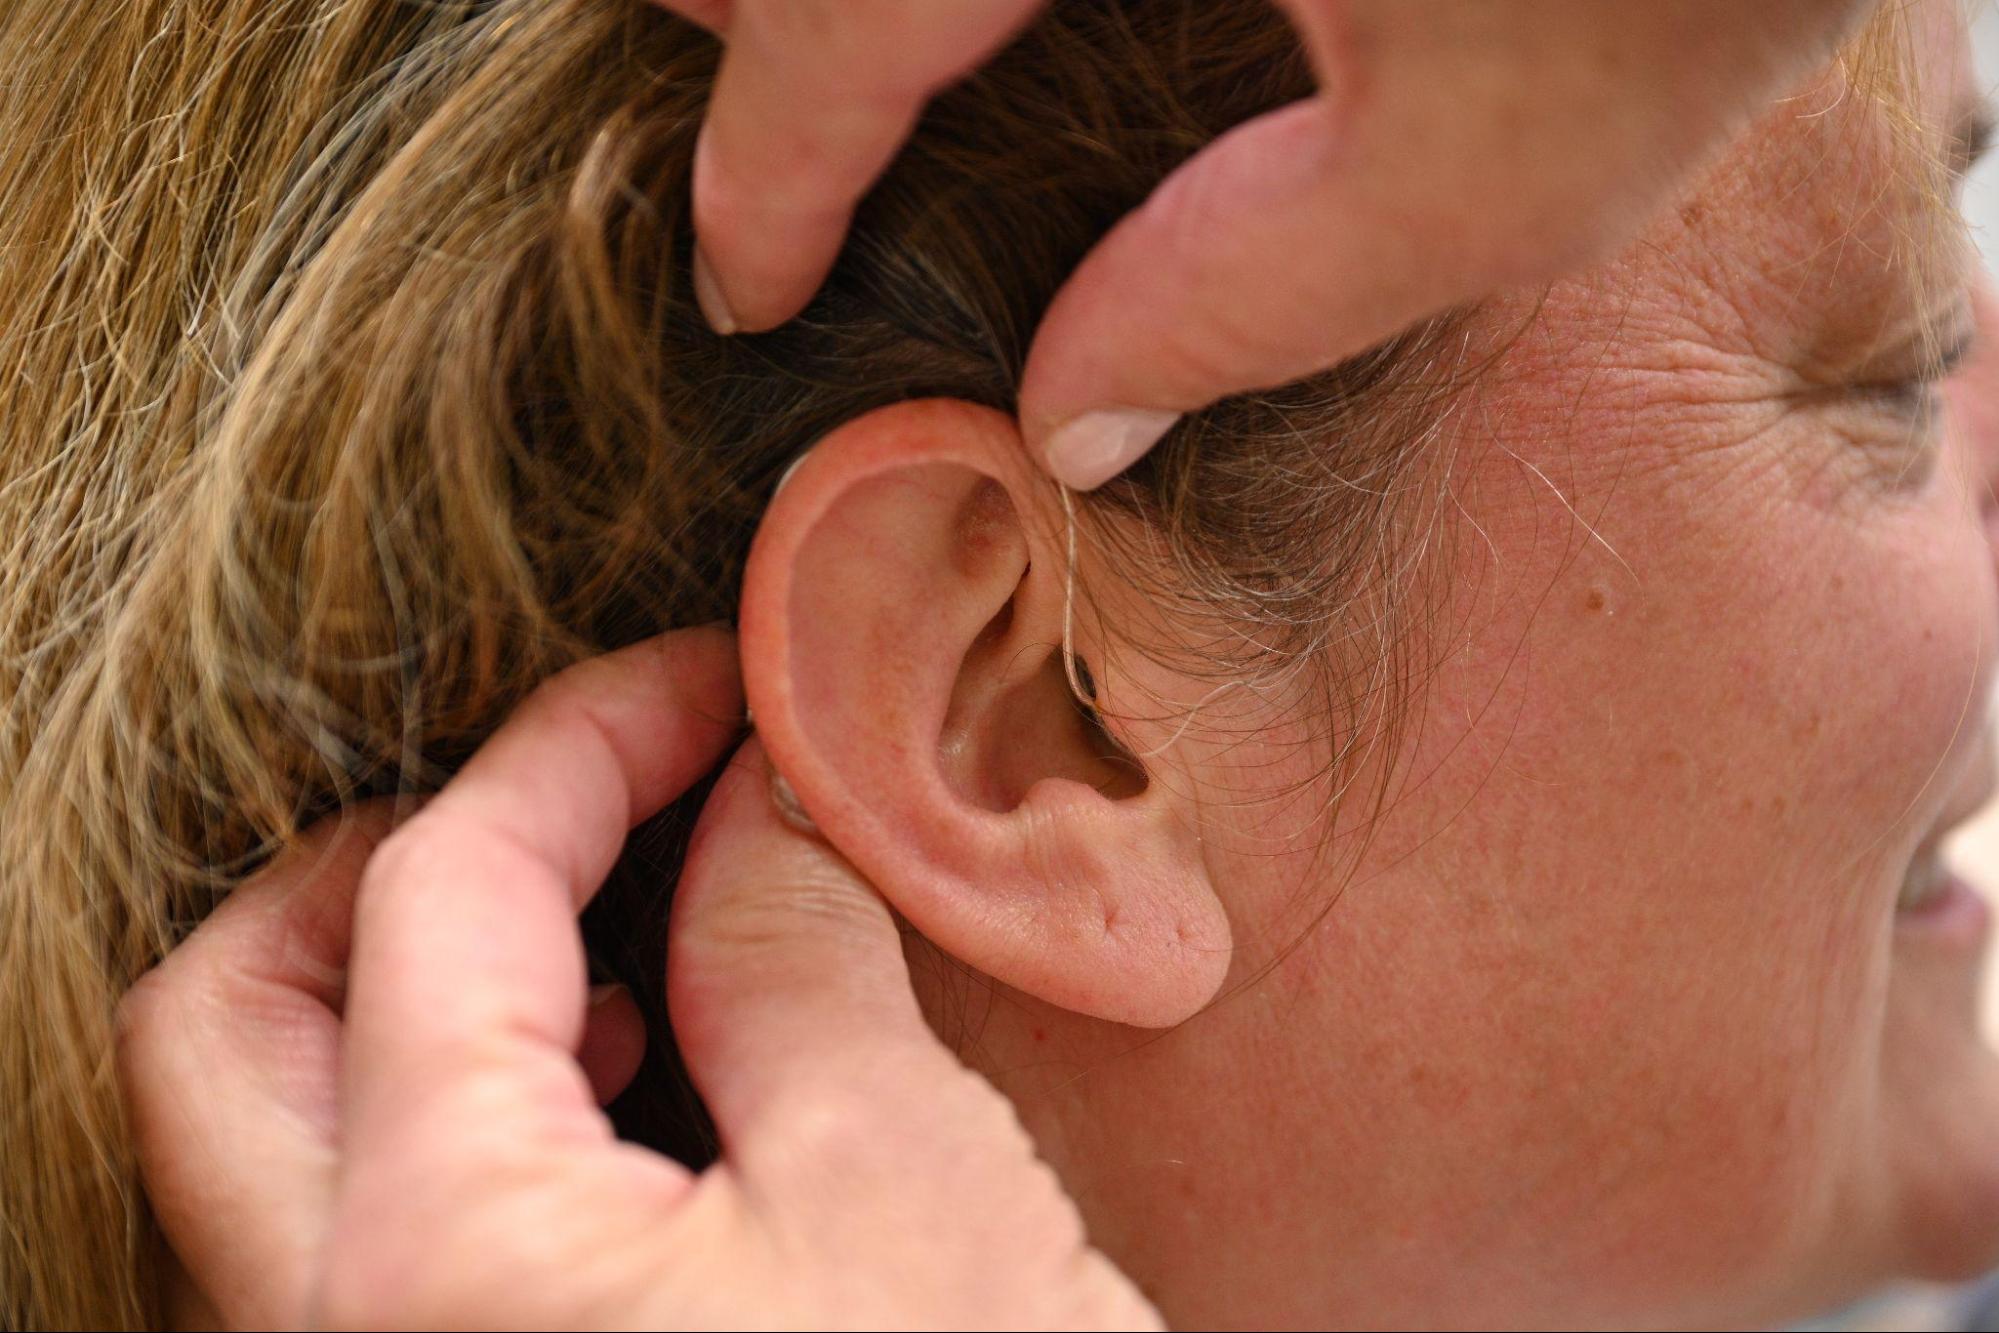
(785, 972)
(614, 1041)
(467, 994)
(841, 1115)
(1460, 147)
(229, 1052)
(812, 99)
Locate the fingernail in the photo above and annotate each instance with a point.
(1087, 452)
(789, 807)
(708, 295)
(601, 995)
(789, 469)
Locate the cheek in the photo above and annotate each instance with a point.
(1664, 787)
(1857, 678)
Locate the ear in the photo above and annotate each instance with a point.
(902, 642)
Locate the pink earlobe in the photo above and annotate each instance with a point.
(897, 633)
(1140, 907)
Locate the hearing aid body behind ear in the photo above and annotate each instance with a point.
(902, 643)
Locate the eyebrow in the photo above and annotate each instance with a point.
(1971, 136)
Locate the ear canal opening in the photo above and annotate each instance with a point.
(1015, 721)
(1113, 752)
(1086, 680)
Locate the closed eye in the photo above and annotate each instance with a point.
(1914, 391)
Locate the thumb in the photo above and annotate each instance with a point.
(785, 975)
(898, 1187)
(1458, 147)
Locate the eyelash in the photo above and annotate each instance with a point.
(1916, 397)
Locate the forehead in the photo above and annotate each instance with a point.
(1834, 215)
(1826, 232)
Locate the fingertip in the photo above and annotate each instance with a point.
(709, 297)
(1088, 450)
(738, 814)
(753, 267)
(785, 969)
(752, 859)
(702, 667)
(768, 282)
(775, 177)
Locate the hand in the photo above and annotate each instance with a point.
(365, 1091)
(1456, 147)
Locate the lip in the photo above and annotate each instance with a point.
(1958, 917)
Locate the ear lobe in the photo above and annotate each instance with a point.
(902, 652)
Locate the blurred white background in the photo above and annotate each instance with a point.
(1976, 850)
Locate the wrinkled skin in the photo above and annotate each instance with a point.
(1298, 238)
(1618, 1018)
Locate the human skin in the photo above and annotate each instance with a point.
(1617, 1018)
(1295, 240)
(1615, 1022)
(365, 1092)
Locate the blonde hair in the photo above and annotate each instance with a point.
(350, 384)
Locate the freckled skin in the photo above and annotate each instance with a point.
(1613, 1020)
